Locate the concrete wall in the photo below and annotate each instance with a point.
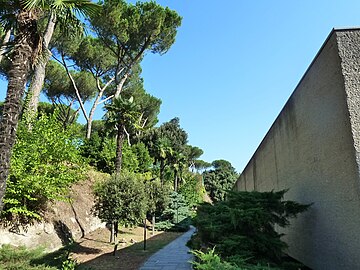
(313, 148)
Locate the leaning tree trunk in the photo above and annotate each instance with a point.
(4, 44)
(25, 45)
(119, 148)
(38, 78)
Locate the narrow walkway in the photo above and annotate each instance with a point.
(174, 256)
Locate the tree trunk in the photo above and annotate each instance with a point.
(153, 224)
(145, 233)
(112, 232)
(176, 182)
(116, 241)
(119, 146)
(22, 54)
(120, 85)
(92, 111)
(89, 126)
(162, 168)
(38, 78)
(4, 44)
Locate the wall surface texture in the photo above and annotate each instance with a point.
(313, 149)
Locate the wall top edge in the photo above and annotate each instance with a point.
(332, 32)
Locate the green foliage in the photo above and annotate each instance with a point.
(143, 157)
(219, 180)
(45, 162)
(93, 56)
(58, 85)
(176, 214)
(167, 144)
(212, 261)
(100, 152)
(21, 259)
(66, 115)
(157, 198)
(145, 26)
(149, 106)
(69, 264)
(192, 189)
(121, 199)
(244, 225)
(122, 113)
(129, 160)
(201, 165)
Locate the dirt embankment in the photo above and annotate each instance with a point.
(63, 220)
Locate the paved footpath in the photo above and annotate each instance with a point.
(174, 256)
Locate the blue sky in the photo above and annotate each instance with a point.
(234, 65)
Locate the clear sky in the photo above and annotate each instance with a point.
(234, 65)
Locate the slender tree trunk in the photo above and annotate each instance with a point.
(120, 85)
(4, 44)
(162, 167)
(38, 78)
(112, 232)
(119, 146)
(89, 126)
(116, 241)
(92, 111)
(25, 44)
(153, 224)
(176, 182)
(145, 233)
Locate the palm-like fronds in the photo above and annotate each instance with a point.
(83, 7)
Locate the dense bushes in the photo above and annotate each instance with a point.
(44, 163)
(212, 261)
(243, 226)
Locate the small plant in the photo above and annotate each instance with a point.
(69, 264)
(211, 261)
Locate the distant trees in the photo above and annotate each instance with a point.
(220, 179)
(167, 144)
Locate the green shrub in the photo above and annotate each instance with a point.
(44, 163)
(243, 225)
(212, 261)
(121, 199)
(69, 264)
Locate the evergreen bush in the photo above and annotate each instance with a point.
(244, 225)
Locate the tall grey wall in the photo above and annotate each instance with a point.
(313, 148)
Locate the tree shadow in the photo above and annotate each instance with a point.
(131, 257)
(56, 258)
(63, 232)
